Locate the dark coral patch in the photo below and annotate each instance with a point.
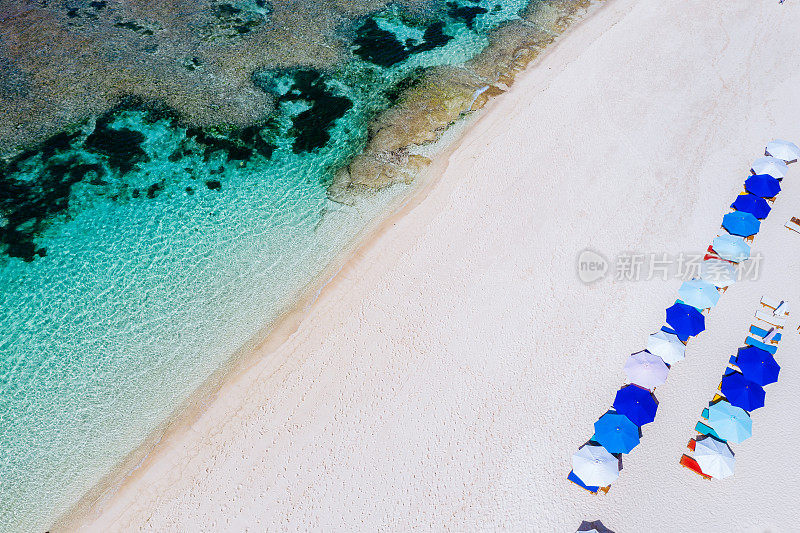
(27, 205)
(310, 128)
(379, 46)
(214, 185)
(467, 14)
(121, 146)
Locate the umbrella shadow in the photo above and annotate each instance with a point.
(596, 525)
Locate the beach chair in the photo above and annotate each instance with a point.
(691, 464)
(589, 488)
(771, 319)
(778, 307)
(750, 341)
(770, 335)
(793, 224)
(705, 429)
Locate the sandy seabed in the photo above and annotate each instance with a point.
(443, 379)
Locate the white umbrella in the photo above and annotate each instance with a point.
(720, 273)
(646, 370)
(714, 457)
(770, 165)
(783, 150)
(595, 466)
(667, 346)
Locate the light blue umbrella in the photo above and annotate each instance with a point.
(741, 223)
(731, 248)
(730, 422)
(698, 293)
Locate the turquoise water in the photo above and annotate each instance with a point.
(138, 254)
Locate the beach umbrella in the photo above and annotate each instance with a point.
(770, 165)
(638, 404)
(685, 320)
(720, 273)
(750, 203)
(757, 365)
(784, 150)
(742, 392)
(616, 433)
(730, 422)
(698, 293)
(731, 248)
(762, 185)
(646, 370)
(714, 457)
(595, 466)
(741, 223)
(667, 346)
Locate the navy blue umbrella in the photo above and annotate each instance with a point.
(750, 203)
(758, 365)
(616, 433)
(685, 320)
(742, 392)
(762, 185)
(638, 404)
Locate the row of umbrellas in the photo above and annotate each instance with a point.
(618, 431)
(743, 389)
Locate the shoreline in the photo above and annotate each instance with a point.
(264, 346)
(311, 438)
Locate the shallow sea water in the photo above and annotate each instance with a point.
(138, 255)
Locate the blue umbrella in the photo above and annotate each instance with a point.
(638, 404)
(616, 433)
(758, 365)
(731, 248)
(730, 422)
(750, 203)
(698, 293)
(741, 223)
(763, 185)
(742, 392)
(685, 320)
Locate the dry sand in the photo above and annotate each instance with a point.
(444, 378)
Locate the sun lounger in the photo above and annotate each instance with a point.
(764, 334)
(691, 464)
(594, 490)
(771, 348)
(793, 224)
(704, 429)
(769, 318)
(780, 307)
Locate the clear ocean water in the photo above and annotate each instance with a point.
(137, 254)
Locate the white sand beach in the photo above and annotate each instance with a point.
(444, 378)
